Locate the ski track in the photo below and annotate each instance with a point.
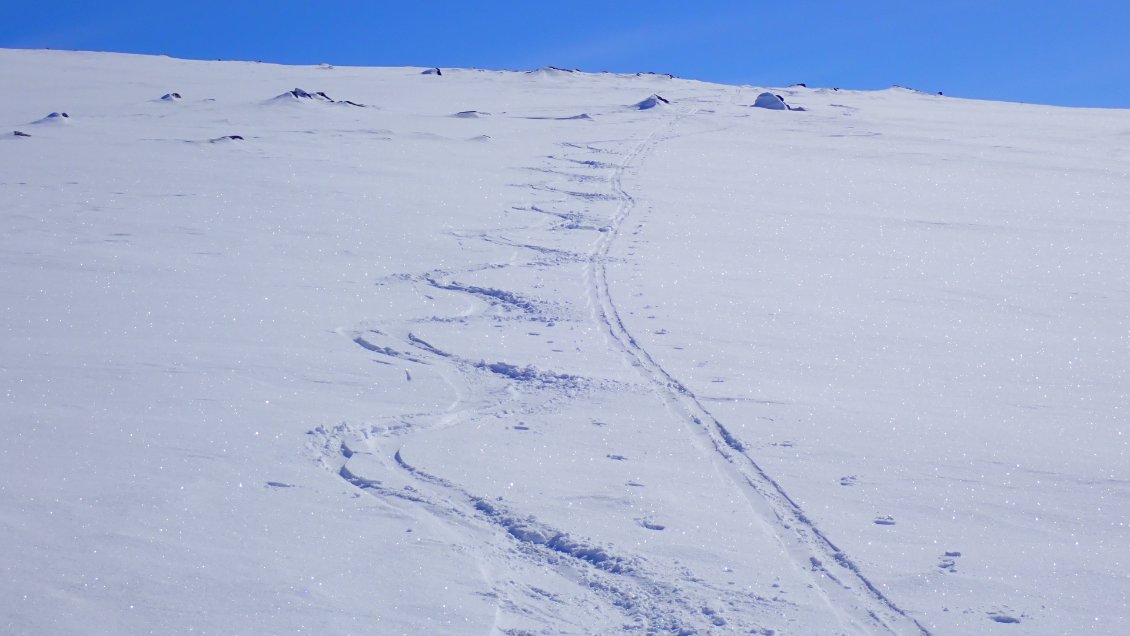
(635, 596)
(859, 604)
(626, 583)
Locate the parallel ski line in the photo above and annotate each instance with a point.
(859, 603)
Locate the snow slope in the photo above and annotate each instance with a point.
(373, 351)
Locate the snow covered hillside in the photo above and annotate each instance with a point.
(330, 350)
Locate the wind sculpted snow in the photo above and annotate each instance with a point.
(463, 361)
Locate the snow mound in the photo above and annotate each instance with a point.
(470, 114)
(432, 71)
(54, 118)
(896, 88)
(770, 101)
(298, 94)
(552, 71)
(655, 101)
(584, 116)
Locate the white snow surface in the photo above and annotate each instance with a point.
(770, 101)
(700, 369)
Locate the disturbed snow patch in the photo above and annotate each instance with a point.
(529, 530)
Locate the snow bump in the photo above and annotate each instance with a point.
(54, 118)
(654, 101)
(769, 101)
(299, 94)
(552, 71)
(303, 96)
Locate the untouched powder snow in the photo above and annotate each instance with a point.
(697, 369)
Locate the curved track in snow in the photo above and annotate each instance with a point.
(859, 604)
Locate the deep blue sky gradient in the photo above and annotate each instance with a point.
(1043, 51)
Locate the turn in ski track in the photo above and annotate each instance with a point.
(855, 600)
(858, 605)
(639, 596)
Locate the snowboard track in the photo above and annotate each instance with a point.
(857, 601)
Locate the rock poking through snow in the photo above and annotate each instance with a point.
(770, 101)
(655, 101)
(301, 95)
(54, 118)
(298, 93)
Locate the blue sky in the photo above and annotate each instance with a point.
(1044, 51)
